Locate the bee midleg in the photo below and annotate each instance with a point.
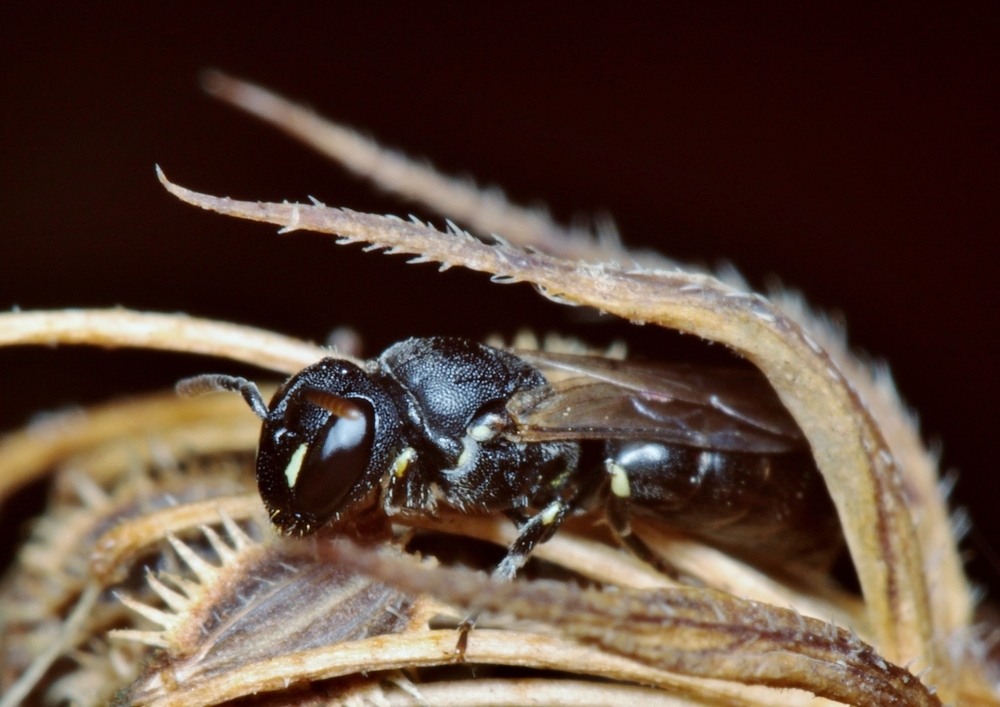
(531, 532)
(548, 480)
(537, 529)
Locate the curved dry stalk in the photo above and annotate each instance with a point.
(950, 594)
(863, 477)
(116, 548)
(165, 332)
(434, 648)
(485, 211)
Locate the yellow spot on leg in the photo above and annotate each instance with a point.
(550, 512)
(619, 480)
(402, 462)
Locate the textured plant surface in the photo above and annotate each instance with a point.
(154, 577)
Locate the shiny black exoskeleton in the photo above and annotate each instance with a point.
(481, 429)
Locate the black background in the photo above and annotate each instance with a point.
(852, 152)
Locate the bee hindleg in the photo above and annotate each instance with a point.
(535, 530)
(618, 519)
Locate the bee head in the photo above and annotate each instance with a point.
(324, 445)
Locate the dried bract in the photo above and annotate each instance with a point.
(228, 609)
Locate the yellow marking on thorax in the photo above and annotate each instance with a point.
(619, 480)
(481, 433)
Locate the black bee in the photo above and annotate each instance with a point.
(539, 436)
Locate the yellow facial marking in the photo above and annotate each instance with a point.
(295, 465)
(619, 480)
(403, 461)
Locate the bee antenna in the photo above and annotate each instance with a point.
(216, 382)
(334, 404)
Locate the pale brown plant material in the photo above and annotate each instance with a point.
(232, 610)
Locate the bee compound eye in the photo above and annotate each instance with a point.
(334, 461)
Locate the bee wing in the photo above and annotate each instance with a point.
(590, 397)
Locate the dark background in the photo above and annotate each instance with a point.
(852, 152)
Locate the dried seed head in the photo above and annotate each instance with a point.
(264, 601)
(232, 616)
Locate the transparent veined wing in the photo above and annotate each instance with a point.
(591, 397)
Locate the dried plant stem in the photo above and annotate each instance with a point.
(166, 332)
(430, 648)
(950, 595)
(485, 211)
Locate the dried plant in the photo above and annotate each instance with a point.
(244, 613)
